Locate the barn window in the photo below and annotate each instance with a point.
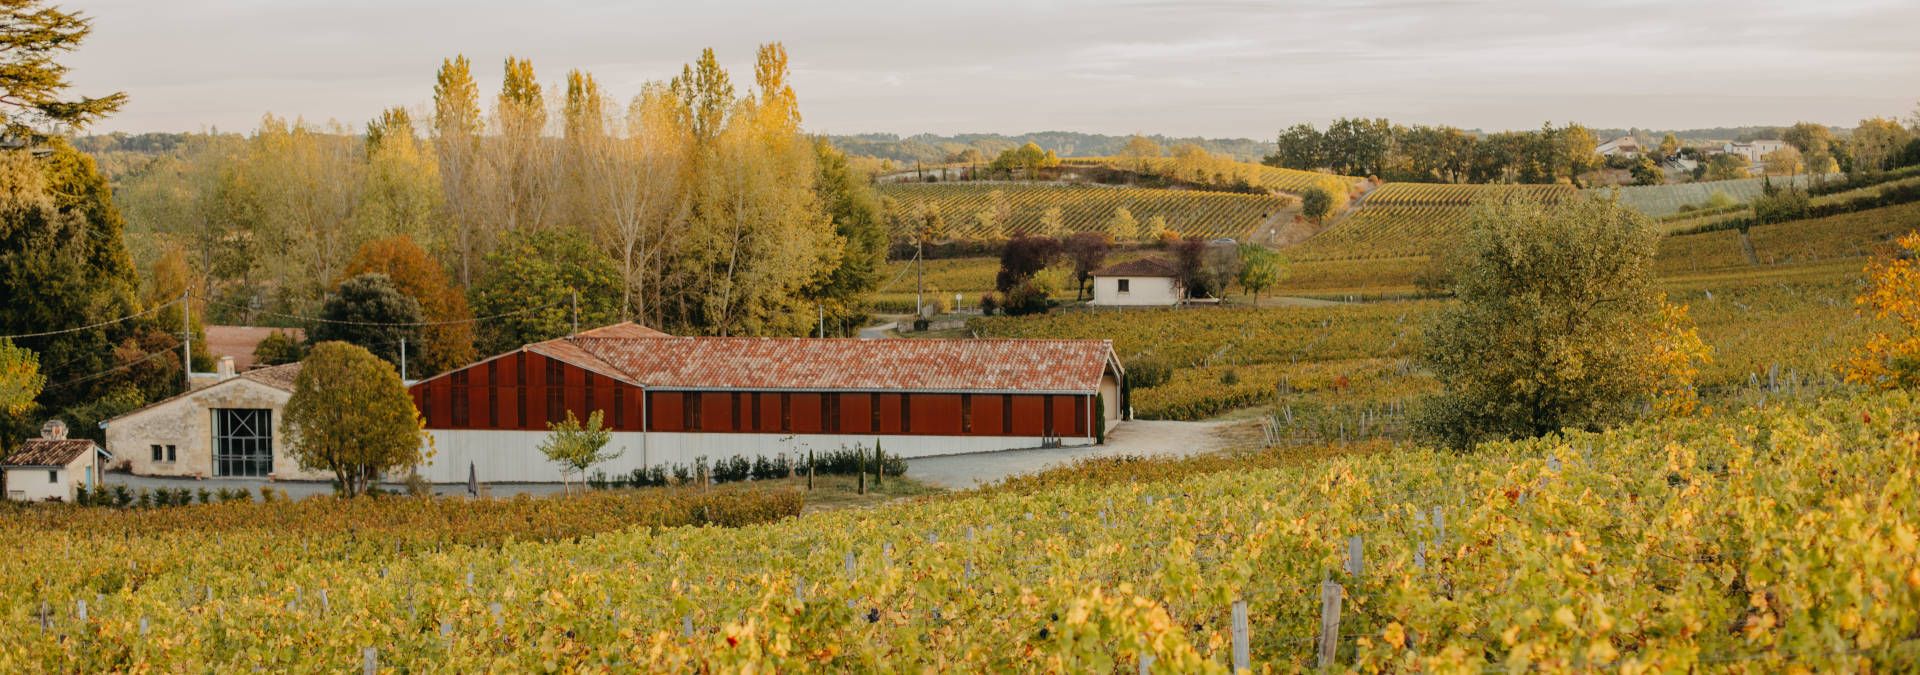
(966, 413)
(906, 413)
(619, 408)
(493, 394)
(756, 410)
(830, 413)
(520, 389)
(459, 398)
(1006, 413)
(556, 397)
(736, 412)
(786, 411)
(873, 407)
(691, 411)
(589, 411)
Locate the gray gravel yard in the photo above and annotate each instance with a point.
(1138, 437)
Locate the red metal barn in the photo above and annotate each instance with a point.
(671, 400)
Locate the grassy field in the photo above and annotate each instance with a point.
(1088, 207)
(1662, 200)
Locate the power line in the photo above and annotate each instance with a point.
(84, 378)
(411, 324)
(108, 322)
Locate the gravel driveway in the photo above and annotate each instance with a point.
(1138, 437)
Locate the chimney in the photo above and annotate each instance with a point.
(226, 368)
(54, 430)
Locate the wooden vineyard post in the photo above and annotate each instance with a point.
(809, 469)
(861, 469)
(370, 661)
(1146, 664)
(1356, 557)
(1241, 658)
(1330, 595)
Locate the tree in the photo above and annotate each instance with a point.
(1052, 223)
(1026, 160)
(1189, 262)
(456, 143)
(855, 210)
(1890, 359)
(447, 341)
(1021, 258)
(1783, 162)
(1121, 225)
(1153, 229)
(1727, 166)
(370, 311)
(534, 279)
(64, 264)
(1564, 293)
(576, 447)
(1087, 251)
(1669, 147)
(401, 192)
(32, 83)
(522, 161)
(1316, 204)
(1646, 172)
(1876, 144)
(1259, 269)
(1299, 147)
(350, 415)
(1140, 152)
(20, 378)
(277, 348)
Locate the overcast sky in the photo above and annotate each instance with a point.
(1208, 67)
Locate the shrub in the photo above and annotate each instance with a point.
(1028, 297)
(1148, 373)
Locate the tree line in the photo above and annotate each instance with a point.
(1562, 154)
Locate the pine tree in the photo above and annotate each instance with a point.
(32, 33)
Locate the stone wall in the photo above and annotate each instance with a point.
(186, 422)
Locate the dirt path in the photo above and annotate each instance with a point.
(1138, 437)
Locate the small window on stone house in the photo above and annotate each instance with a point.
(53, 476)
(157, 455)
(171, 455)
(1126, 285)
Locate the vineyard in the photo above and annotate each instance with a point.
(1713, 544)
(1084, 207)
(1222, 172)
(1400, 220)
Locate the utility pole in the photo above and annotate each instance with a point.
(574, 298)
(403, 360)
(186, 339)
(920, 277)
(822, 308)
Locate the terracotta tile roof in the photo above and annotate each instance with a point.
(1143, 267)
(239, 342)
(279, 377)
(49, 452)
(653, 359)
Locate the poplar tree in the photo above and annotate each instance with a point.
(522, 161)
(456, 143)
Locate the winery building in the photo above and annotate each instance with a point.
(671, 400)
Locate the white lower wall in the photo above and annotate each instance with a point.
(514, 456)
(29, 484)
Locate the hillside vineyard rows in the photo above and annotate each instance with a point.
(1717, 543)
(1291, 181)
(1409, 219)
(1089, 207)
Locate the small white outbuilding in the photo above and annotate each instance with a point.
(1146, 282)
(50, 467)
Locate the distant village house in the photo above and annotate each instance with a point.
(1146, 282)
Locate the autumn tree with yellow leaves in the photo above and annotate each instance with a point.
(1891, 359)
(1558, 325)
